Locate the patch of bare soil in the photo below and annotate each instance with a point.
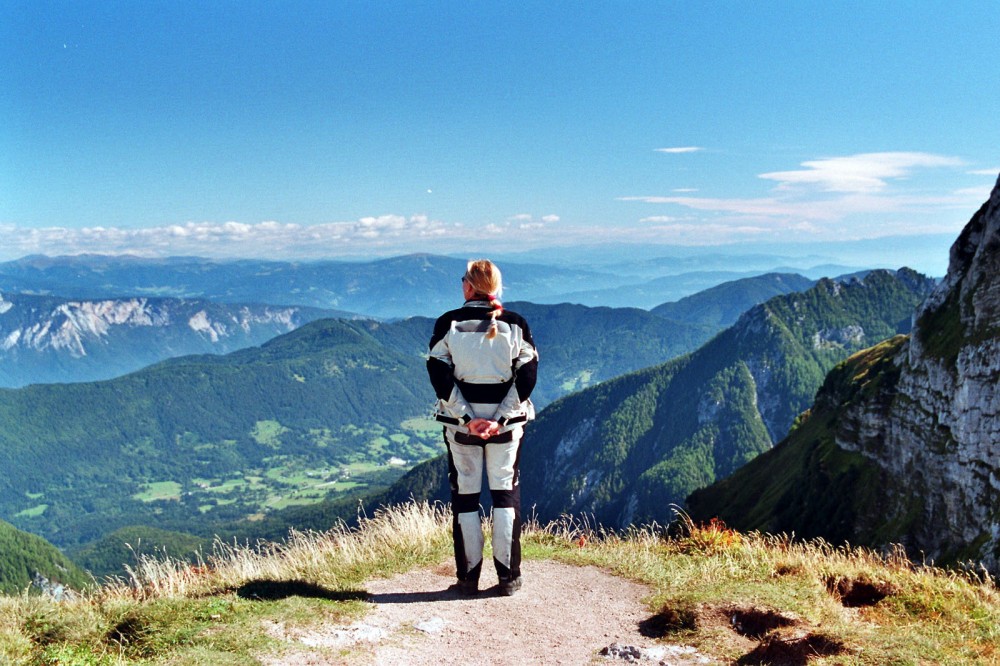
(563, 615)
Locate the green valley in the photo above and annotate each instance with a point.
(199, 441)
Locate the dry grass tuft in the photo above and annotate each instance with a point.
(394, 537)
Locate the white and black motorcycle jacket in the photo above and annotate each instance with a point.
(477, 377)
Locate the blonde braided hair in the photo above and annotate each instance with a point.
(485, 278)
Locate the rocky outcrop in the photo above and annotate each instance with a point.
(46, 339)
(938, 439)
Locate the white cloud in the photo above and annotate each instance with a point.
(866, 172)
(659, 219)
(680, 150)
(985, 172)
(528, 221)
(214, 239)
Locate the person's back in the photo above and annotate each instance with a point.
(483, 365)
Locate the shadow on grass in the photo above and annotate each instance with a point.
(275, 590)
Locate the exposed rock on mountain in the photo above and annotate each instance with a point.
(45, 339)
(903, 442)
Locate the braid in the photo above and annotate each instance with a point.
(497, 310)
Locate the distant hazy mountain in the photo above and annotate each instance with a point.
(44, 339)
(723, 304)
(417, 284)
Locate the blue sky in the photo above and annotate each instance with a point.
(327, 129)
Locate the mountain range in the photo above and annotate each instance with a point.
(417, 284)
(901, 445)
(212, 437)
(202, 441)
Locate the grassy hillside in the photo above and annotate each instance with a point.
(112, 554)
(738, 598)
(24, 557)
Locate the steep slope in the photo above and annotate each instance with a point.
(625, 449)
(26, 559)
(44, 339)
(723, 304)
(582, 346)
(917, 425)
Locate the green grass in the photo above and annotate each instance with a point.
(580, 381)
(32, 512)
(268, 433)
(159, 490)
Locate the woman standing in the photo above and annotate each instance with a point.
(482, 365)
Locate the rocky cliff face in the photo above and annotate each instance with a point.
(937, 436)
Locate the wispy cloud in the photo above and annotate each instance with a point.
(866, 172)
(762, 208)
(985, 172)
(856, 195)
(680, 149)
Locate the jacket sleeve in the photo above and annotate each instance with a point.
(451, 405)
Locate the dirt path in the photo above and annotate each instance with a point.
(562, 615)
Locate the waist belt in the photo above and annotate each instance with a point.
(484, 393)
(465, 438)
